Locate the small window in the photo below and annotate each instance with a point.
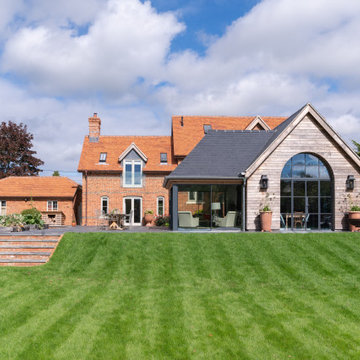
(104, 205)
(160, 206)
(52, 205)
(3, 207)
(195, 197)
(163, 158)
(207, 128)
(102, 157)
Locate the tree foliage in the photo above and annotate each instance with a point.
(56, 173)
(16, 156)
(357, 147)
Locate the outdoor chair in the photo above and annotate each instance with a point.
(228, 221)
(187, 220)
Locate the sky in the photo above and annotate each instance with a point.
(137, 63)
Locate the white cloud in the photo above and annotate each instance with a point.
(280, 55)
(127, 41)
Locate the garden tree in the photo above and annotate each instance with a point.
(357, 147)
(56, 173)
(16, 156)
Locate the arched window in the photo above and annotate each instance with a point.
(306, 194)
(160, 207)
(104, 205)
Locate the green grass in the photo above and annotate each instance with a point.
(186, 296)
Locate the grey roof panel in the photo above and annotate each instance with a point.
(224, 154)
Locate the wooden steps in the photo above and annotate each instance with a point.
(27, 250)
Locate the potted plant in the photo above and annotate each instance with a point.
(266, 214)
(148, 217)
(354, 218)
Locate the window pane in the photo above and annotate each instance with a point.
(127, 206)
(299, 204)
(137, 179)
(128, 174)
(104, 206)
(325, 188)
(312, 188)
(160, 206)
(299, 188)
(324, 174)
(298, 171)
(49, 205)
(286, 173)
(298, 159)
(311, 160)
(312, 171)
(191, 195)
(326, 221)
(312, 222)
(325, 204)
(285, 204)
(285, 187)
(313, 204)
(137, 211)
(55, 207)
(200, 196)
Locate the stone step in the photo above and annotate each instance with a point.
(33, 239)
(25, 253)
(38, 247)
(26, 250)
(22, 261)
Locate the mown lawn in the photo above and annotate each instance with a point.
(186, 296)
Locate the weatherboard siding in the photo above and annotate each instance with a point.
(307, 136)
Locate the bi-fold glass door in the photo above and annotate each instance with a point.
(133, 210)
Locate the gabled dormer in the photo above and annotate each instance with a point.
(258, 124)
(132, 161)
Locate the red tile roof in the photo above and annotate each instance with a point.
(186, 137)
(38, 186)
(114, 146)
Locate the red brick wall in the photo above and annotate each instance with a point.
(15, 206)
(110, 185)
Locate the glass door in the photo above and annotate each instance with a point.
(133, 210)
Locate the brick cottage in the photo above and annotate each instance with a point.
(57, 198)
(127, 172)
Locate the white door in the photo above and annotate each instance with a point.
(133, 208)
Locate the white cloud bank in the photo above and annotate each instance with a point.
(280, 55)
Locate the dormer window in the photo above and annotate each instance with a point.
(207, 127)
(163, 158)
(132, 173)
(102, 157)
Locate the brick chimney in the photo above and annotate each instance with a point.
(94, 128)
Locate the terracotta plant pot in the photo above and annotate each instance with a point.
(266, 220)
(354, 220)
(148, 219)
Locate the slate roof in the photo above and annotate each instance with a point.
(114, 146)
(38, 186)
(224, 154)
(187, 131)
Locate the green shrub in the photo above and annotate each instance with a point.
(355, 208)
(32, 217)
(12, 220)
(162, 221)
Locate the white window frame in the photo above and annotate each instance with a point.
(3, 208)
(101, 205)
(196, 200)
(157, 205)
(51, 208)
(133, 163)
(102, 158)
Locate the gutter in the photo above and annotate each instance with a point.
(243, 202)
(86, 199)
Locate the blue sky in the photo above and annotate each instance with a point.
(136, 63)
